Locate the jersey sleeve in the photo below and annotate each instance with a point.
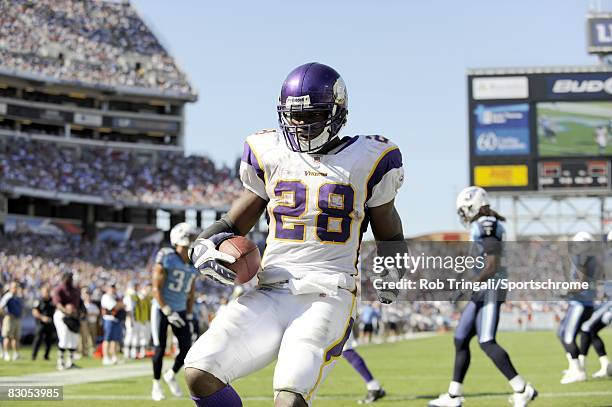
(252, 172)
(163, 257)
(386, 178)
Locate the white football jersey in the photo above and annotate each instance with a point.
(317, 203)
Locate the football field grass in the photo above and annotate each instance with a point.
(412, 372)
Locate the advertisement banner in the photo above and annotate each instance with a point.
(501, 130)
(501, 175)
(86, 119)
(503, 87)
(600, 34)
(594, 86)
(42, 226)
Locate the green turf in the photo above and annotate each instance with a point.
(24, 365)
(411, 371)
(577, 136)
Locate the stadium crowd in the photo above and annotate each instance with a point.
(31, 264)
(89, 42)
(117, 175)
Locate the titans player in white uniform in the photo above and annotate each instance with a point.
(481, 315)
(319, 192)
(174, 295)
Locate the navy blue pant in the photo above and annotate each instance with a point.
(589, 331)
(577, 314)
(159, 330)
(480, 319)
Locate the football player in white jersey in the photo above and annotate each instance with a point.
(319, 192)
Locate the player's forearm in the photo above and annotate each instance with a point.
(159, 297)
(387, 229)
(240, 219)
(223, 225)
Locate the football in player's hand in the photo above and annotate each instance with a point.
(247, 257)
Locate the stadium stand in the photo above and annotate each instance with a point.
(88, 42)
(114, 174)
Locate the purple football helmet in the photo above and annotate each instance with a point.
(312, 107)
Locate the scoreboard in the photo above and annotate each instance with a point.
(541, 129)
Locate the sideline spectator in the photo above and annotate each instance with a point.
(89, 324)
(67, 301)
(111, 306)
(12, 305)
(43, 310)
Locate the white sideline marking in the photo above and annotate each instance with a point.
(81, 376)
(323, 397)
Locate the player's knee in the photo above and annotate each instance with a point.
(286, 398)
(567, 339)
(461, 343)
(201, 383)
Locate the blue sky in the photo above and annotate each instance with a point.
(404, 64)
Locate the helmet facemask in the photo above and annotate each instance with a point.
(308, 128)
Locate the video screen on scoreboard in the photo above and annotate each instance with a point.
(574, 128)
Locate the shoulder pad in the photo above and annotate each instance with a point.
(264, 139)
(376, 142)
(162, 254)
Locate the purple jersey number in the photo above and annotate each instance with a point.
(293, 204)
(336, 205)
(333, 220)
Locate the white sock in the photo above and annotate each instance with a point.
(604, 361)
(581, 360)
(575, 365)
(455, 389)
(569, 359)
(156, 384)
(373, 385)
(170, 373)
(517, 383)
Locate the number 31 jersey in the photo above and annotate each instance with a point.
(317, 204)
(179, 278)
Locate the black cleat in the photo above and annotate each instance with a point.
(373, 396)
(73, 366)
